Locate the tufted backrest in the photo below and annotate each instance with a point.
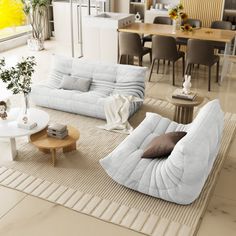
(106, 78)
(198, 149)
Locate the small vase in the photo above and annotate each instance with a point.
(24, 117)
(176, 25)
(26, 103)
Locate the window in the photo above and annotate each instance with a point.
(12, 19)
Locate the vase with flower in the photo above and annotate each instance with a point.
(177, 15)
(18, 79)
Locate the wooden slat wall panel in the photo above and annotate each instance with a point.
(205, 10)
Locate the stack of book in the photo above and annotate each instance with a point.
(57, 131)
(178, 93)
(27, 125)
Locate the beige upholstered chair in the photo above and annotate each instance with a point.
(195, 23)
(163, 20)
(164, 47)
(202, 52)
(224, 25)
(130, 45)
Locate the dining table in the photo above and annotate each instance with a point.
(218, 35)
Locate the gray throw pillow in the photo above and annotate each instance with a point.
(73, 83)
(163, 145)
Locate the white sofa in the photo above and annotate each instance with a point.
(107, 79)
(179, 178)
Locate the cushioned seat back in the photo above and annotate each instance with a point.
(60, 66)
(106, 78)
(198, 149)
(130, 80)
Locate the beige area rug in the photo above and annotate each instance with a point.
(78, 181)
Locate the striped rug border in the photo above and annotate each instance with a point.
(112, 212)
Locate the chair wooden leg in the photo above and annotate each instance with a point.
(173, 79)
(140, 61)
(168, 63)
(151, 69)
(120, 59)
(150, 56)
(187, 69)
(179, 47)
(183, 64)
(164, 66)
(127, 59)
(158, 65)
(190, 69)
(209, 78)
(217, 71)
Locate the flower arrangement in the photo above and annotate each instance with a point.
(176, 12)
(186, 28)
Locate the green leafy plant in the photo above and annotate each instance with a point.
(36, 11)
(19, 78)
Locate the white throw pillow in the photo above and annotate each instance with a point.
(73, 83)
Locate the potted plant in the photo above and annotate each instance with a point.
(36, 11)
(18, 79)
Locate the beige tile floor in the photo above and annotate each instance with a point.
(24, 215)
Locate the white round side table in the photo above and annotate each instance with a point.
(9, 129)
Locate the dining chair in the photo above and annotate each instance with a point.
(130, 45)
(223, 25)
(195, 23)
(163, 20)
(226, 25)
(202, 52)
(164, 47)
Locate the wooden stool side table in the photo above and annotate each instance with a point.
(48, 144)
(184, 108)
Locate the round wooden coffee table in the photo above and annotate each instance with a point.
(184, 108)
(48, 144)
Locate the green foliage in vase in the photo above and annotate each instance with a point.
(18, 78)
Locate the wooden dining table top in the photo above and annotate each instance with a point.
(218, 35)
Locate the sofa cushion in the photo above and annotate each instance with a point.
(61, 66)
(179, 178)
(73, 83)
(162, 146)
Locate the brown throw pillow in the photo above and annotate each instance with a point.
(163, 145)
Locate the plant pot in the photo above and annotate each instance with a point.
(35, 44)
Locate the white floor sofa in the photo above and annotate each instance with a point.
(107, 79)
(179, 178)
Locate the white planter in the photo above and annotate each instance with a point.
(35, 44)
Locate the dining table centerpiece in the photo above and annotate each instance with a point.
(18, 80)
(186, 28)
(177, 14)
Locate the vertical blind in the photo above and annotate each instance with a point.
(205, 10)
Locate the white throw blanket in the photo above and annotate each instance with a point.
(117, 113)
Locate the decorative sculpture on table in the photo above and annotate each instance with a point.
(18, 79)
(187, 84)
